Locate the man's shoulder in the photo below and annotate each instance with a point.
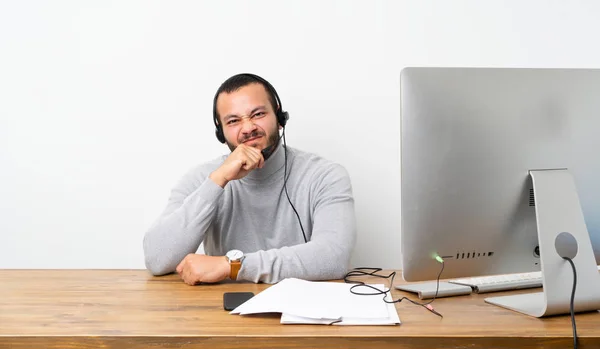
(200, 171)
(317, 163)
(209, 165)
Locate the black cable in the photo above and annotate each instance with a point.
(573, 302)
(285, 178)
(360, 272)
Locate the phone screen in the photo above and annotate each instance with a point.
(232, 300)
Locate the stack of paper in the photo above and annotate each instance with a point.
(308, 302)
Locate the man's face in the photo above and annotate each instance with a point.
(247, 116)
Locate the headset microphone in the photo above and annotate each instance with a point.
(268, 151)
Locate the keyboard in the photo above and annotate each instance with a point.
(504, 282)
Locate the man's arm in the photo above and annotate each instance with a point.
(327, 255)
(181, 227)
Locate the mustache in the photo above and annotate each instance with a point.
(254, 134)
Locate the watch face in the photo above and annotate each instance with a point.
(234, 255)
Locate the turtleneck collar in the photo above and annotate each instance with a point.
(272, 165)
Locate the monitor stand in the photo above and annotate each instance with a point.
(561, 231)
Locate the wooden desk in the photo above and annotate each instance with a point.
(131, 309)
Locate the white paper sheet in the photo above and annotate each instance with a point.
(310, 302)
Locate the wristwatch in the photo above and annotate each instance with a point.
(235, 258)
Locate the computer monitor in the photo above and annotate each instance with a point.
(495, 164)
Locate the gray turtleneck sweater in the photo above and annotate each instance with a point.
(253, 215)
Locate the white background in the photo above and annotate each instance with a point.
(105, 104)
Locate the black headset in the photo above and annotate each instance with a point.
(282, 116)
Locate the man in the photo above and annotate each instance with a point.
(255, 225)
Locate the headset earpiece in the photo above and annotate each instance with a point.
(219, 134)
(282, 117)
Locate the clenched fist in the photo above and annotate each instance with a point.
(198, 268)
(238, 164)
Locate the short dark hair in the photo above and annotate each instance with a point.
(238, 81)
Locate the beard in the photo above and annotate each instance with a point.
(272, 140)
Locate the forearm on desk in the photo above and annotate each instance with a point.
(311, 261)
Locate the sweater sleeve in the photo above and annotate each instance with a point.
(327, 255)
(181, 227)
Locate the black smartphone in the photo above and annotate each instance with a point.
(232, 300)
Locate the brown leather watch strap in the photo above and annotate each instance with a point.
(235, 268)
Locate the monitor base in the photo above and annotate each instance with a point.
(559, 214)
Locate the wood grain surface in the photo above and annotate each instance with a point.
(132, 309)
